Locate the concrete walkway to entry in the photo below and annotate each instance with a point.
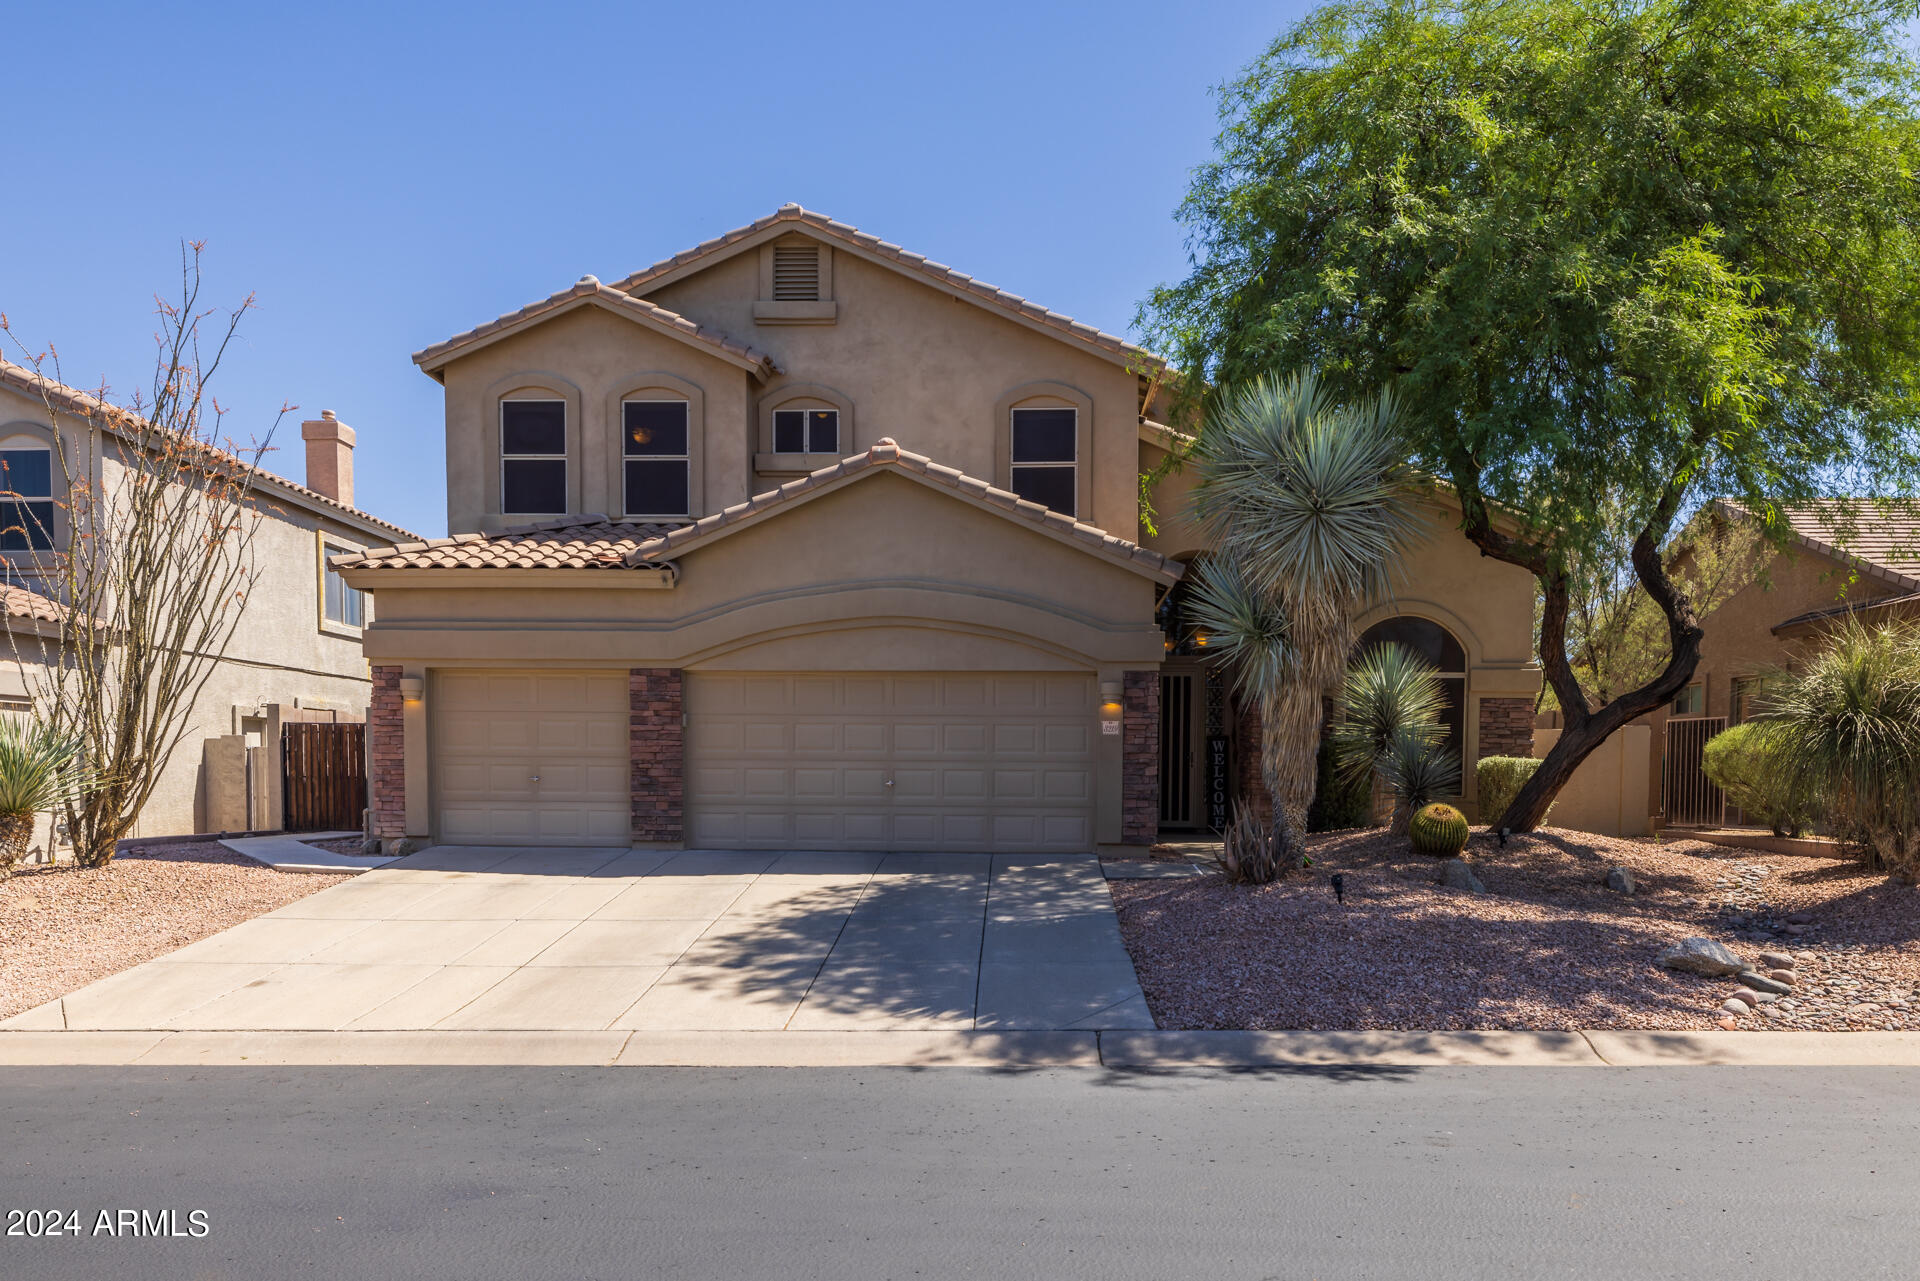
(651, 941)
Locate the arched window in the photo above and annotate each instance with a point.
(1435, 645)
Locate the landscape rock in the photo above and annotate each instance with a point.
(1620, 880)
(404, 846)
(1761, 983)
(1781, 976)
(1456, 874)
(1729, 1024)
(1746, 994)
(1776, 960)
(1704, 956)
(1799, 918)
(1796, 930)
(370, 849)
(1735, 1006)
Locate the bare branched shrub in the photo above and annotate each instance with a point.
(1249, 852)
(149, 554)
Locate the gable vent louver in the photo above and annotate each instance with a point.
(796, 273)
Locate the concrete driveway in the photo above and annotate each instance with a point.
(648, 940)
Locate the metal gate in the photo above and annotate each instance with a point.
(323, 775)
(1688, 796)
(1176, 751)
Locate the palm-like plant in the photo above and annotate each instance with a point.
(1390, 710)
(1308, 503)
(1844, 732)
(39, 771)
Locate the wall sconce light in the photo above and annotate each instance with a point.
(412, 689)
(1110, 698)
(1200, 640)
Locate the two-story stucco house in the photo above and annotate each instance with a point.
(296, 655)
(798, 540)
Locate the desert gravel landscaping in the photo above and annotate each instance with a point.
(1548, 947)
(63, 927)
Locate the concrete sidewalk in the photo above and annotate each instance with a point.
(1124, 1050)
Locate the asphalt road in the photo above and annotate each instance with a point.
(475, 1173)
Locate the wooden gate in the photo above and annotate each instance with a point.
(323, 774)
(1688, 796)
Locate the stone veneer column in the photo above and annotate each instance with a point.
(657, 746)
(387, 755)
(1140, 759)
(1506, 727)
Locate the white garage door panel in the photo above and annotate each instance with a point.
(531, 758)
(978, 762)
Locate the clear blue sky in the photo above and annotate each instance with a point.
(384, 176)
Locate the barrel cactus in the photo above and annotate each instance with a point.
(1439, 830)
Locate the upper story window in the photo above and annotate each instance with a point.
(806, 431)
(533, 457)
(343, 604)
(1044, 462)
(1691, 701)
(655, 453)
(26, 499)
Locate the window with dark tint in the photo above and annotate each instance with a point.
(1436, 646)
(656, 457)
(26, 500)
(1044, 445)
(806, 431)
(533, 456)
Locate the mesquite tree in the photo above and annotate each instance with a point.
(1616, 257)
(149, 553)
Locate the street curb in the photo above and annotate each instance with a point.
(1019, 1050)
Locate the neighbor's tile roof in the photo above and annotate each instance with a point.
(1908, 603)
(87, 405)
(852, 236)
(597, 542)
(18, 602)
(575, 542)
(1886, 536)
(887, 453)
(590, 289)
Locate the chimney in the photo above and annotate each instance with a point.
(329, 457)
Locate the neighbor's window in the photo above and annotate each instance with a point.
(1043, 457)
(342, 604)
(26, 499)
(656, 440)
(1691, 701)
(1746, 691)
(806, 431)
(533, 457)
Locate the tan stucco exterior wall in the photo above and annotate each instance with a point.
(936, 373)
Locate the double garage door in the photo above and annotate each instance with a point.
(936, 761)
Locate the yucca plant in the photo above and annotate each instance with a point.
(1390, 708)
(40, 771)
(1309, 504)
(1844, 731)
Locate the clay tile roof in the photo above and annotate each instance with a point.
(854, 238)
(590, 292)
(18, 602)
(1883, 537)
(888, 454)
(91, 407)
(578, 542)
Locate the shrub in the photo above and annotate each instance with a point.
(39, 771)
(1340, 801)
(1844, 731)
(1439, 830)
(1418, 769)
(1741, 764)
(1501, 778)
(1248, 855)
(1389, 724)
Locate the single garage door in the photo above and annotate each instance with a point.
(530, 758)
(938, 761)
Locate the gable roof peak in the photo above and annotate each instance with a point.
(886, 253)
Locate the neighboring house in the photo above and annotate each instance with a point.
(797, 540)
(1846, 559)
(296, 655)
